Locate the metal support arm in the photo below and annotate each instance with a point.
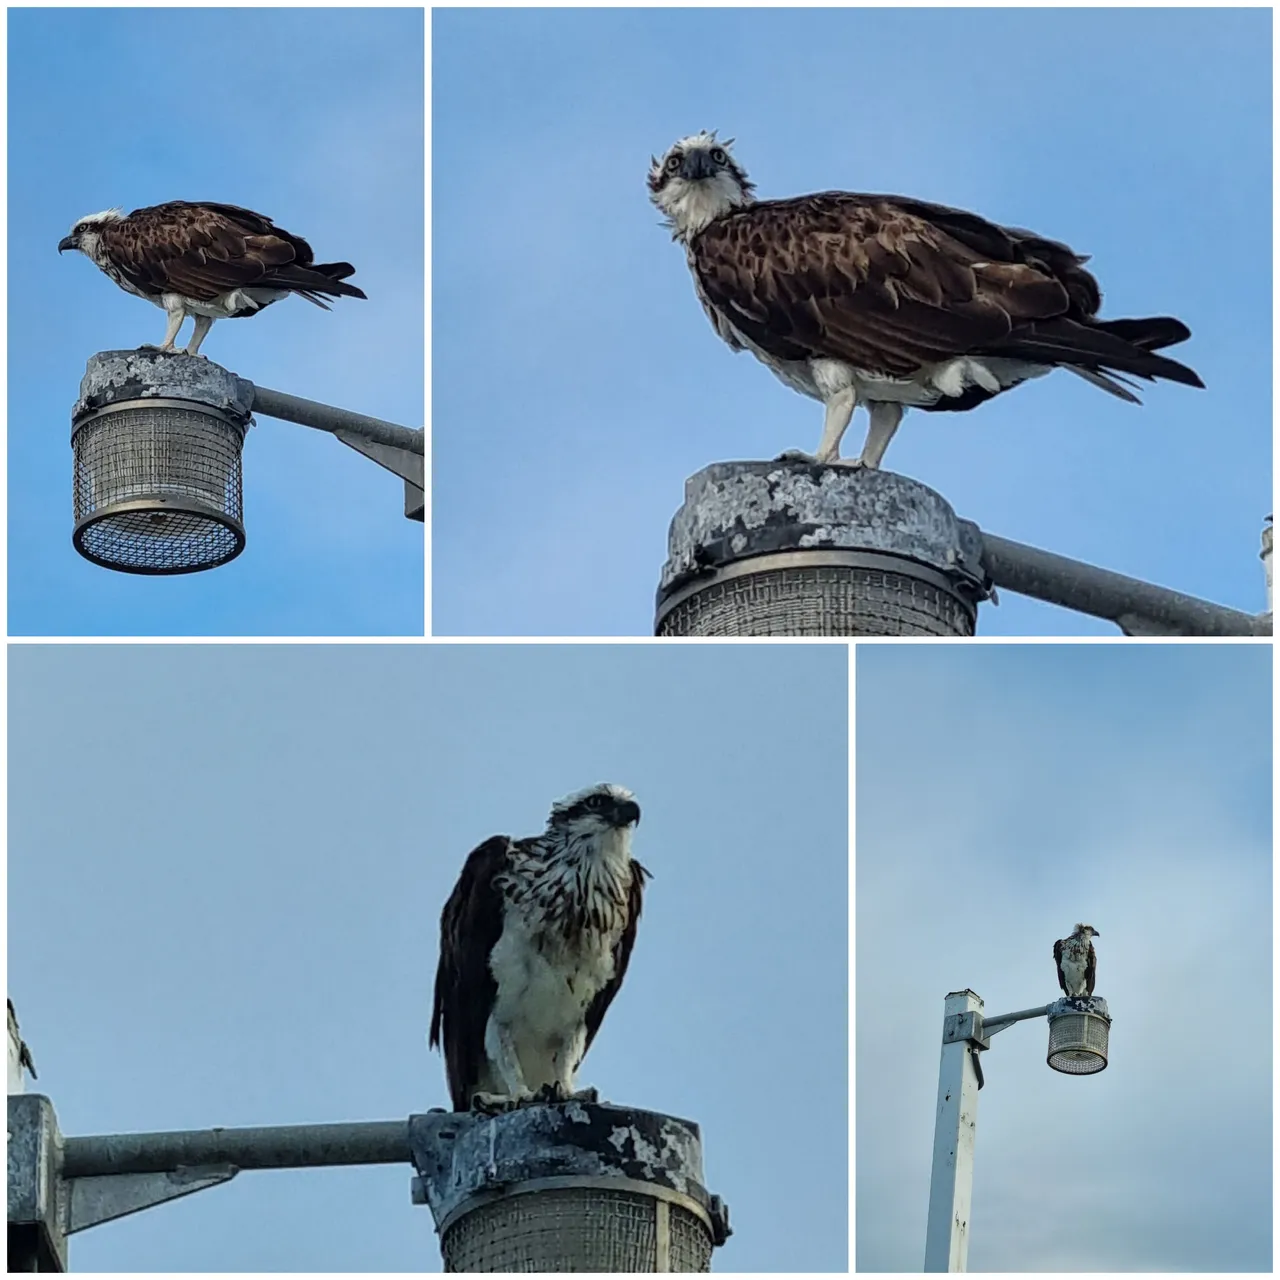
(58, 1185)
(988, 1027)
(401, 450)
(1136, 607)
(287, 1146)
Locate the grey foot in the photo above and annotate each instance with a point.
(496, 1104)
(160, 351)
(795, 455)
(551, 1094)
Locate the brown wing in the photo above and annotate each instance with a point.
(1090, 970)
(1057, 964)
(888, 284)
(203, 250)
(470, 926)
(621, 955)
(869, 280)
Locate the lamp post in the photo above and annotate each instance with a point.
(1079, 1030)
(157, 443)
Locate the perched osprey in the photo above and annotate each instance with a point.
(534, 944)
(890, 302)
(210, 261)
(1076, 960)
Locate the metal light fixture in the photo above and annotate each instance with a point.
(1079, 1031)
(157, 442)
(796, 549)
(572, 1187)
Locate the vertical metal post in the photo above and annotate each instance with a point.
(951, 1183)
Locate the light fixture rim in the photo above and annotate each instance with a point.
(631, 1186)
(89, 416)
(179, 507)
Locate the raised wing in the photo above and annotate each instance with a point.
(470, 926)
(621, 956)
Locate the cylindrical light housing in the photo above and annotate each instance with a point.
(568, 1187)
(1079, 1035)
(157, 441)
(797, 549)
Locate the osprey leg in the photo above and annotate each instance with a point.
(175, 314)
(202, 327)
(839, 411)
(885, 417)
(501, 1051)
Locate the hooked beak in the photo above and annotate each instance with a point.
(697, 164)
(626, 814)
(67, 242)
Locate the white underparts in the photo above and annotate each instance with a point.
(842, 387)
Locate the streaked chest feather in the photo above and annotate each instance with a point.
(556, 952)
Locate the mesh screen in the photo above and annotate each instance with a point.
(572, 1229)
(826, 600)
(178, 471)
(1078, 1043)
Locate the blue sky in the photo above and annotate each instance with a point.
(576, 382)
(313, 117)
(1004, 793)
(245, 854)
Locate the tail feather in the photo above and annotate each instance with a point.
(1150, 334)
(1105, 346)
(320, 278)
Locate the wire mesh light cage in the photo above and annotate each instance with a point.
(1079, 1036)
(567, 1224)
(819, 593)
(158, 486)
(579, 1186)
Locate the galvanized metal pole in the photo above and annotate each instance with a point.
(286, 1146)
(1136, 607)
(955, 1129)
(327, 417)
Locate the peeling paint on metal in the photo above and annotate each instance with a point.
(473, 1154)
(115, 376)
(737, 509)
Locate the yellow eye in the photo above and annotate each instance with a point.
(718, 155)
(673, 163)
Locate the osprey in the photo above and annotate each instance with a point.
(534, 944)
(891, 302)
(1077, 963)
(210, 261)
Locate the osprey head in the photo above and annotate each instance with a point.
(1086, 931)
(697, 180)
(599, 809)
(85, 234)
